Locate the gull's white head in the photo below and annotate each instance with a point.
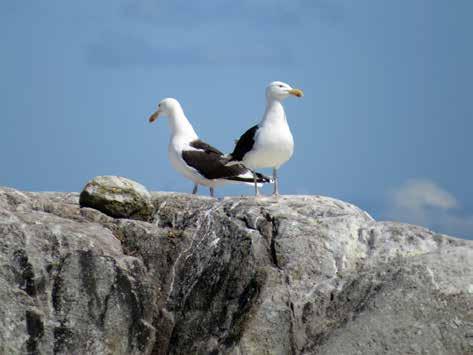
(279, 91)
(168, 107)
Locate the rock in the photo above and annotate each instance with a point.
(294, 275)
(117, 197)
(66, 286)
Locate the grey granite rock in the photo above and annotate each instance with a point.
(294, 275)
(117, 197)
(66, 287)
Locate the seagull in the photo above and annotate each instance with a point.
(195, 159)
(269, 144)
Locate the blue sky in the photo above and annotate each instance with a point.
(386, 118)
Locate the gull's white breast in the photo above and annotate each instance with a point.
(273, 146)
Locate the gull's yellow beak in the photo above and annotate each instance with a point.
(296, 92)
(154, 117)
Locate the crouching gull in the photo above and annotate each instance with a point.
(269, 144)
(195, 159)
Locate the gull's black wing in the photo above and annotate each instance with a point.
(209, 162)
(244, 144)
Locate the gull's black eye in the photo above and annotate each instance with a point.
(159, 105)
(280, 86)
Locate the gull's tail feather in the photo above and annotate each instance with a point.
(247, 177)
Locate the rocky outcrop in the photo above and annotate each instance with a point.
(294, 275)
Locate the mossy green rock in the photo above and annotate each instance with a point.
(117, 197)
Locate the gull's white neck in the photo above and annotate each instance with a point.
(180, 125)
(274, 113)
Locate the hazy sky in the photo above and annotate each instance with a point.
(385, 123)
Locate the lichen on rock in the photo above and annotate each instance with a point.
(117, 197)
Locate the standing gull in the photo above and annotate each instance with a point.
(269, 144)
(195, 159)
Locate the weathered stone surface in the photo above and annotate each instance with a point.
(294, 275)
(117, 197)
(66, 286)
